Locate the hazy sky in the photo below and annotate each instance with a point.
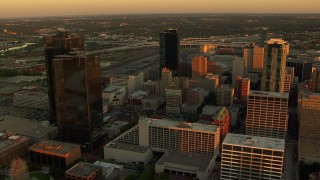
(25, 8)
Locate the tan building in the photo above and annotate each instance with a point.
(267, 114)
(152, 87)
(212, 82)
(225, 95)
(288, 80)
(309, 132)
(181, 82)
(173, 100)
(237, 69)
(54, 153)
(254, 58)
(199, 66)
(316, 80)
(11, 147)
(250, 157)
(84, 171)
(195, 95)
(114, 95)
(162, 135)
(166, 81)
(275, 65)
(242, 88)
(152, 102)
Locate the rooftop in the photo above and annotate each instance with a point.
(110, 88)
(199, 161)
(301, 60)
(25, 127)
(269, 94)
(56, 148)
(180, 124)
(254, 141)
(125, 146)
(7, 140)
(83, 169)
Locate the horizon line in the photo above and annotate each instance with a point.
(159, 13)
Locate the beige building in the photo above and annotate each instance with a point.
(131, 82)
(237, 69)
(181, 82)
(31, 100)
(254, 58)
(84, 171)
(225, 95)
(114, 95)
(288, 80)
(267, 114)
(275, 65)
(251, 157)
(173, 100)
(309, 132)
(166, 81)
(152, 87)
(152, 103)
(136, 145)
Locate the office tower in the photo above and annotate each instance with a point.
(169, 50)
(166, 81)
(173, 100)
(181, 82)
(59, 44)
(186, 69)
(242, 88)
(237, 69)
(215, 69)
(199, 66)
(267, 114)
(275, 65)
(316, 80)
(78, 95)
(253, 58)
(288, 80)
(211, 82)
(302, 67)
(309, 122)
(263, 36)
(248, 57)
(250, 157)
(225, 95)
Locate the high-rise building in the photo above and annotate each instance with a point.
(169, 50)
(288, 80)
(263, 36)
(173, 100)
(267, 114)
(225, 95)
(309, 124)
(78, 95)
(242, 88)
(316, 80)
(199, 66)
(302, 67)
(59, 44)
(253, 58)
(252, 157)
(166, 80)
(237, 69)
(275, 65)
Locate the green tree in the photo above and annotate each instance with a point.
(146, 175)
(131, 177)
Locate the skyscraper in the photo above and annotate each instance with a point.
(59, 44)
(267, 114)
(169, 50)
(275, 65)
(288, 80)
(237, 69)
(309, 122)
(251, 157)
(302, 67)
(199, 66)
(78, 95)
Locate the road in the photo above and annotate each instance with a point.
(291, 166)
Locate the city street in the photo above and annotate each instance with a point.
(291, 166)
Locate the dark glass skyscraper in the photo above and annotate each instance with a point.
(169, 50)
(59, 44)
(78, 95)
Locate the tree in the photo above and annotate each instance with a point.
(146, 175)
(56, 172)
(162, 176)
(131, 177)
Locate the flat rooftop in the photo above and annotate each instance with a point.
(110, 88)
(24, 127)
(269, 94)
(56, 148)
(254, 141)
(125, 146)
(195, 160)
(301, 60)
(180, 124)
(83, 169)
(9, 141)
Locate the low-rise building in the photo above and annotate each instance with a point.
(114, 95)
(84, 171)
(152, 103)
(12, 146)
(186, 165)
(110, 171)
(31, 100)
(37, 131)
(54, 153)
(189, 108)
(225, 95)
